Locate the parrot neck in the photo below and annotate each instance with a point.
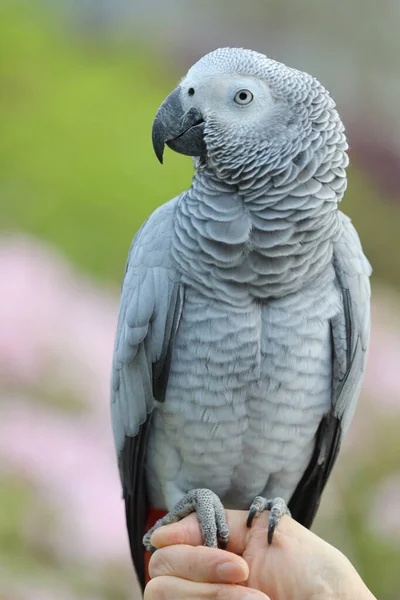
(263, 232)
(233, 247)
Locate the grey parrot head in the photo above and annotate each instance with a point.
(236, 107)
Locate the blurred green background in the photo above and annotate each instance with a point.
(79, 87)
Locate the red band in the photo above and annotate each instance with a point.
(153, 515)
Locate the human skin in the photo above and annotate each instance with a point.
(297, 566)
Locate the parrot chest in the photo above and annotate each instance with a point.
(246, 392)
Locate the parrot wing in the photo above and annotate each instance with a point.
(350, 330)
(150, 309)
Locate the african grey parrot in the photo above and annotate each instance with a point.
(244, 318)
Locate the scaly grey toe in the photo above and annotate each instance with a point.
(277, 508)
(210, 513)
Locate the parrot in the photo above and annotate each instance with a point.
(244, 318)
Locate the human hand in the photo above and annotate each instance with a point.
(297, 566)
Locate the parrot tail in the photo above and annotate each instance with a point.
(152, 516)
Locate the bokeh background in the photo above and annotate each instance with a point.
(80, 82)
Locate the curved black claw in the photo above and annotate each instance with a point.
(222, 533)
(271, 530)
(252, 513)
(210, 513)
(277, 508)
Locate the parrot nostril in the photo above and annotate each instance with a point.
(191, 92)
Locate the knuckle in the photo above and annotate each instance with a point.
(159, 564)
(225, 592)
(155, 589)
(196, 564)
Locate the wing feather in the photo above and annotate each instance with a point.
(150, 310)
(350, 338)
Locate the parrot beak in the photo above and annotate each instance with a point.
(181, 131)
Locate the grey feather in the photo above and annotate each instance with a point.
(351, 328)
(244, 319)
(350, 339)
(151, 305)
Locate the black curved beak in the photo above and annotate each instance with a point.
(181, 131)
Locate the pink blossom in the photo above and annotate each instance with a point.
(382, 379)
(384, 517)
(72, 461)
(55, 324)
(57, 334)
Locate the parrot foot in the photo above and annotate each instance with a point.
(277, 508)
(210, 513)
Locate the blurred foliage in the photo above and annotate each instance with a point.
(77, 169)
(356, 524)
(76, 161)
(27, 550)
(376, 558)
(377, 223)
(16, 503)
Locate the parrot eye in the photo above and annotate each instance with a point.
(243, 97)
(191, 92)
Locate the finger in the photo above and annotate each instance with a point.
(188, 531)
(201, 564)
(175, 588)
